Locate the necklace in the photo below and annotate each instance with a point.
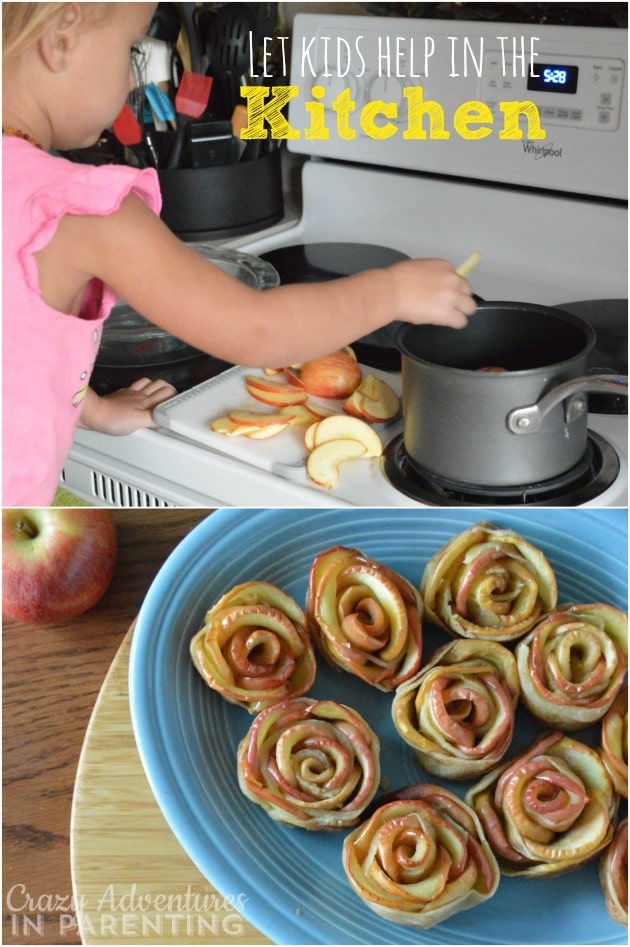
(18, 133)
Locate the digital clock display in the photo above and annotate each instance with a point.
(553, 78)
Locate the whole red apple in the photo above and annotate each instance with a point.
(332, 376)
(56, 563)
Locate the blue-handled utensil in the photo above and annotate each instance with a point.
(161, 105)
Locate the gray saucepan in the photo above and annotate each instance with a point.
(501, 402)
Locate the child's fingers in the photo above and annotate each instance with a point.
(149, 386)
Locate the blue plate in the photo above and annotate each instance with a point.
(290, 882)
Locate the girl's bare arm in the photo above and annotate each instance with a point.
(167, 282)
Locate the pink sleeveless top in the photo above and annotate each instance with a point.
(48, 356)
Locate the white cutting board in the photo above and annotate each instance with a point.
(190, 414)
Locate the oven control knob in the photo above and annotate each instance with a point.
(332, 85)
(389, 89)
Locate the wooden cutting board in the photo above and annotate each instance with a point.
(132, 881)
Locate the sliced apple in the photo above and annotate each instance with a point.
(222, 425)
(353, 405)
(341, 427)
(299, 414)
(309, 436)
(270, 430)
(369, 387)
(274, 393)
(293, 376)
(324, 460)
(257, 418)
(384, 406)
(373, 400)
(320, 411)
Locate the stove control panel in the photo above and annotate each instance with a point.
(571, 91)
(539, 105)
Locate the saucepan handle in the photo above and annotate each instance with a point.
(529, 418)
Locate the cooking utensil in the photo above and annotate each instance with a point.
(128, 132)
(523, 424)
(466, 268)
(161, 105)
(189, 13)
(191, 101)
(226, 37)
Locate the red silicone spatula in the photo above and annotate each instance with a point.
(191, 101)
(128, 131)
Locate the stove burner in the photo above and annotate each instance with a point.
(319, 262)
(609, 356)
(181, 375)
(593, 474)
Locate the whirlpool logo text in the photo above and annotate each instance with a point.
(541, 151)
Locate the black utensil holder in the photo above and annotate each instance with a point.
(224, 200)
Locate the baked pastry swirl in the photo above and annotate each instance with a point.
(419, 860)
(548, 810)
(365, 618)
(310, 763)
(614, 748)
(613, 875)
(488, 582)
(572, 665)
(457, 713)
(254, 648)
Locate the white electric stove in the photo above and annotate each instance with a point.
(549, 216)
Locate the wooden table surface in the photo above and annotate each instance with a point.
(51, 678)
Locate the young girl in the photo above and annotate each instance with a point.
(76, 238)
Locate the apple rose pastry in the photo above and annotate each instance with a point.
(572, 665)
(365, 618)
(488, 582)
(254, 648)
(457, 713)
(421, 859)
(614, 748)
(310, 763)
(613, 875)
(548, 810)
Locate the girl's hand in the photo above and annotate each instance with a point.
(126, 410)
(432, 291)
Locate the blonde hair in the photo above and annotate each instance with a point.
(24, 23)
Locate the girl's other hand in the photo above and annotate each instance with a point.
(432, 291)
(126, 410)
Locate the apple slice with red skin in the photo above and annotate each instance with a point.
(342, 427)
(278, 394)
(300, 414)
(353, 405)
(380, 401)
(56, 563)
(246, 418)
(324, 460)
(373, 400)
(293, 377)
